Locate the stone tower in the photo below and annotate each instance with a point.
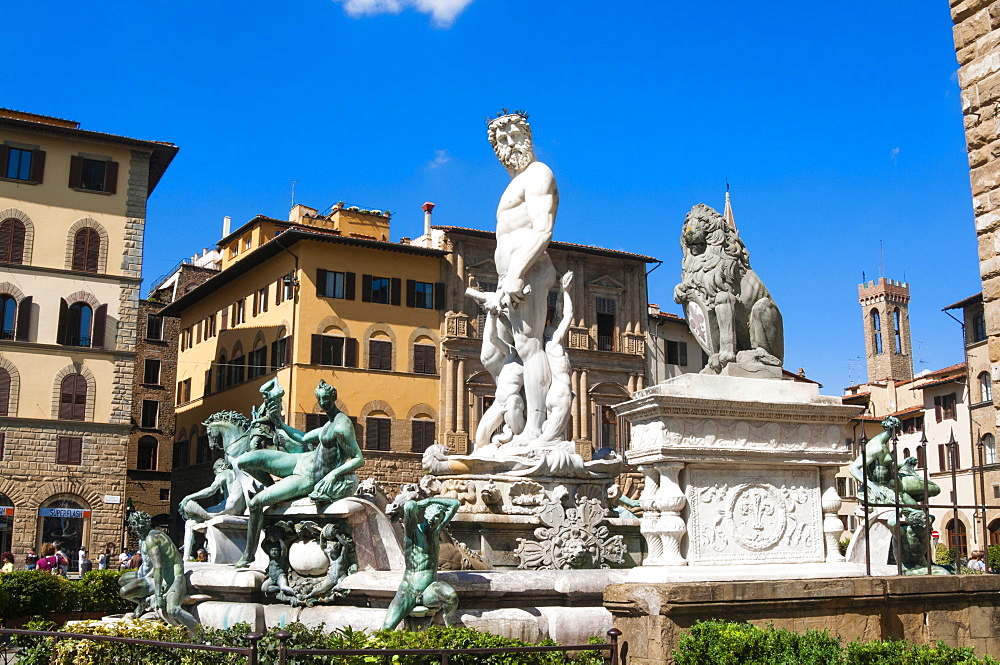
(886, 322)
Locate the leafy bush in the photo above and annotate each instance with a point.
(944, 556)
(30, 592)
(728, 643)
(99, 592)
(993, 557)
(42, 651)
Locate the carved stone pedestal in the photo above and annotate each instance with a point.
(737, 470)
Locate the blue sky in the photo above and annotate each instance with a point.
(838, 126)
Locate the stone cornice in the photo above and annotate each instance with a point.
(61, 350)
(651, 407)
(66, 426)
(71, 274)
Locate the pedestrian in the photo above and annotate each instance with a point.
(102, 559)
(84, 562)
(136, 560)
(48, 562)
(30, 559)
(202, 555)
(976, 561)
(7, 559)
(63, 561)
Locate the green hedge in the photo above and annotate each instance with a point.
(728, 643)
(41, 651)
(31, 592)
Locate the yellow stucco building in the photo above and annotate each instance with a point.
(315, 297)
(72, 220)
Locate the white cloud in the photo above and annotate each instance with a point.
(441, 157)
(893, 154)
(443, 12)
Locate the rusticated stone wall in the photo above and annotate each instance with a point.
(977, 46)
(959, 610)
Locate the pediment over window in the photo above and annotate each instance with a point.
(606, 283)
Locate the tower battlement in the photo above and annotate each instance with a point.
(886, 320)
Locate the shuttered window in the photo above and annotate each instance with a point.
(379, 354)
(70, 450)
(4, 392)
(86, 250)
(422, 435)
(93, 175)
(378, 433)
(336, 351)
(424, 359)
(11, 241)
(73, 398)
(182, 453)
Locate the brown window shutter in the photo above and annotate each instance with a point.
(396, 288)
(80, 398)
(6, 239)
(942, 457)
(439, 295)
(320, 283)
(274, 355)
(288, 350)
(958, 456)
(15, 252)
(349, 282)
(100, 325)
(23, 329)
(277, 290)
(411, 293)
(93, 250)
(316, 353)
(111, 178)
(75, 450)
(225, 319)
(937, 408)
(37, 165)
(63, 316)
(384, 434)
(62, 450)
(371, 434)
(366, 288)
(263, 298)
(2, 446)
(80, 250)
(208, 381)
(75, 171)
(4, 159)
(4, 392)
(418, 359)
(351, 352)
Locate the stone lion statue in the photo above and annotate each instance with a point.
(729, 310)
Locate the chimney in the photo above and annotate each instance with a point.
(226, 223)
(427, 208)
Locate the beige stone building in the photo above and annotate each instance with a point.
(72, 220)
(671, 348)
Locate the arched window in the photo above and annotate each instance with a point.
(73, 398)
(4, 393)
(146, 459)
(985, 387)
(8, 315)
(65, 521)
(899, 330)
(86, 250)
(78, 324)
(11, 241)
(956, 537)
(877, 330)
(994, 528)
(379, 352)
(378, 431)
(989, 449)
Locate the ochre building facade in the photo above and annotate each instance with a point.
(72, 221)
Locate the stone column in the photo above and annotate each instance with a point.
(832, 526)
(462, 399)
(584, 406)
(664, 528)
(449, 389)
(574, 409)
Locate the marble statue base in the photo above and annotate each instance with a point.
(738, 471)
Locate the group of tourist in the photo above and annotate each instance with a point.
(977, 561)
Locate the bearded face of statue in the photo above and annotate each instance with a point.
(512, 144)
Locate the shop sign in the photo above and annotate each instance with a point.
(76, 513)
(6, 511)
